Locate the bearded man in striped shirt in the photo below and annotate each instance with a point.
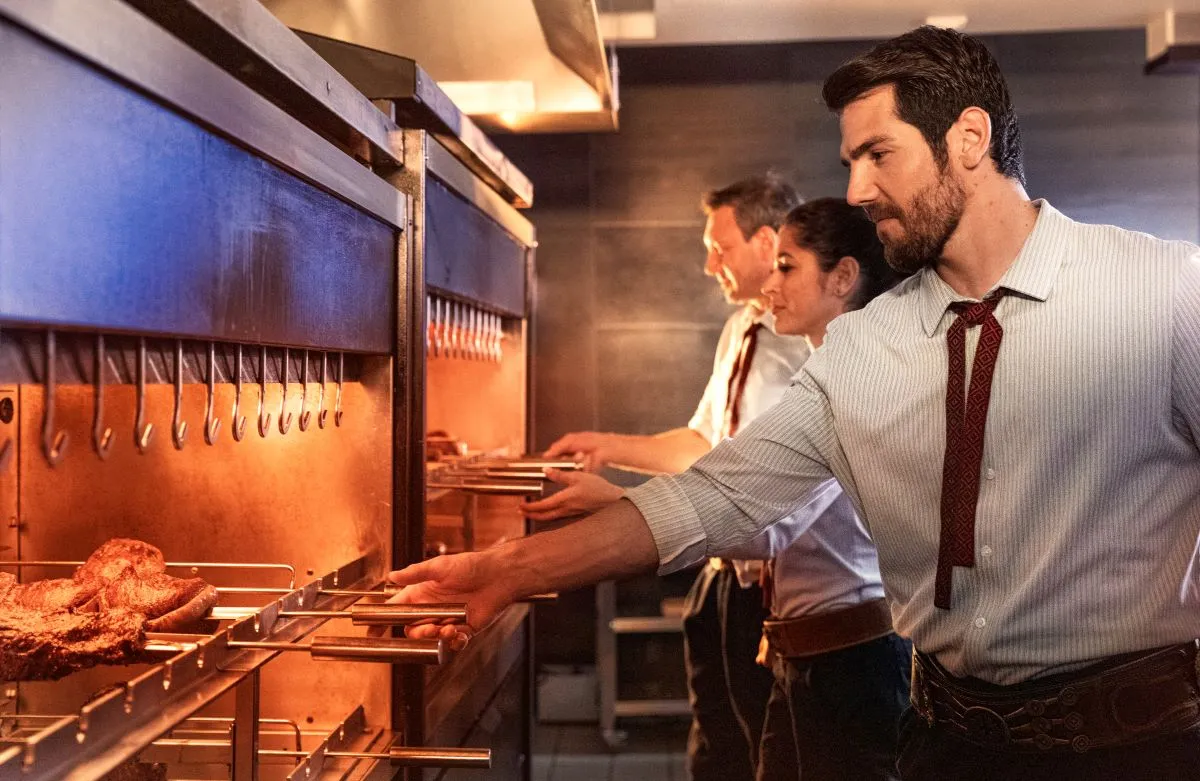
(1016, 424)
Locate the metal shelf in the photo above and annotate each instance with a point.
(634, 708)
(629, 625)
(111, 728)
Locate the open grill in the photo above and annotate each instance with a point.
(197, 669)
(238, 237)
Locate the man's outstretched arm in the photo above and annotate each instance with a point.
(723, 502)
(613, 543)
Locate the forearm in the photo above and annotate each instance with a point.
(612, 544)
(670, 452)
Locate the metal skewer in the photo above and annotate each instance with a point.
(361, 594)
(371, 614)
(407, 756)
(522, 463)
(400, 650)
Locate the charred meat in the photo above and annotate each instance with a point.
(50, 628)
(45, 646)
(113, 558)
(170, 603)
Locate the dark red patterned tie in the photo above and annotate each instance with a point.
(737, 378)
(964, 436)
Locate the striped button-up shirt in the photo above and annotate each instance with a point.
(777, 358)
(1089, 504)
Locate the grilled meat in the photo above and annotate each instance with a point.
(111, 559)
(49, 628)
(50, 596)
(171, 603)
(35, 645)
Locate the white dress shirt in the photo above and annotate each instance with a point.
(1089, 504)
(824, 557)
(776, 360)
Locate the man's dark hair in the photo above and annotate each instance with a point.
(937, 74)
(832, 229)
(757, 201)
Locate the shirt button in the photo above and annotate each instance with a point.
(991, 474)
(980, 622)
(986, 551)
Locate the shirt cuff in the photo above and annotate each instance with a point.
(673, 523)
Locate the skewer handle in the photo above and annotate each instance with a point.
(407, 756)
(401, 650)
(383, 614)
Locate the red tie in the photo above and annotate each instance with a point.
(737, 378)
(964, 437)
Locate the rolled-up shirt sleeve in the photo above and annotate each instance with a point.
(747, 483)
(1185, 361)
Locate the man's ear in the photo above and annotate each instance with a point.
(765, 238)
(969, 139)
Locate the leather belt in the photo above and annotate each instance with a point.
(824, 632)
(1117, 703)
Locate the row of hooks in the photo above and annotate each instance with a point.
(55, 441)
(458, 330)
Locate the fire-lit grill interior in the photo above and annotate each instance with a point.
(233, 311)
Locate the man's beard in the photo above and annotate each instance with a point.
(929, 222)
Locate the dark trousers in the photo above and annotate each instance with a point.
(932, 754)
(721, 627)
(835, 717)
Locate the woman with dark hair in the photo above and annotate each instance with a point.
(828, 261)
(841, 673)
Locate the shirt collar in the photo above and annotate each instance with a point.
(1031, 275)
(752, 314)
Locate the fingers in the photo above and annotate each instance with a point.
(417, 573)
(560, 477)
(565, 444)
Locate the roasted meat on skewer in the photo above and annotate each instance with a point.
(170, 603)
(38, 646)
(113, 558)
(50, 628)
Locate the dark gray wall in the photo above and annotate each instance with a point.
(627, 321)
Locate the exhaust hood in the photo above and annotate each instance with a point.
(525, 66)
(1173, 43)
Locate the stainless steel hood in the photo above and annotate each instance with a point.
(511, 65)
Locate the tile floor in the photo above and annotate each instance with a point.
(653, 751)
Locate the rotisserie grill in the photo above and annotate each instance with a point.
(215, 388)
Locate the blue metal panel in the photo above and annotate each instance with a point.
(120, 214)
(468, 254)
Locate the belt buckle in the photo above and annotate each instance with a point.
(985, 727)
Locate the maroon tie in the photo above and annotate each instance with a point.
(737, 378)
(964, 437)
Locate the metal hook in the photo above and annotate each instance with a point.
(211, 425)
(429, 323)
(497, 338)
(101, 434)
(178, 426)
(456, 330)
(285, 421)
(439, 342)
(6, 453)
(322, 413)
(499, 349)
(142, 431)
(264, 423)
(237, 426)
(337, 403)
(54, 443)
(476, 344)
(305, 416)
